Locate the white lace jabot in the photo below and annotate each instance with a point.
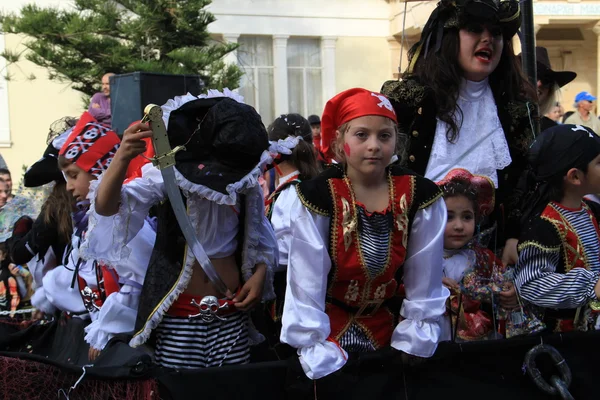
(480, 137)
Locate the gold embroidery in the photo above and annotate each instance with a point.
(310, 206)
(380, 292)
(352, 291)
(348, 223)
(579, 253)
(402, 220)
(538, 246)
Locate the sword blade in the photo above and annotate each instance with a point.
(188, 231)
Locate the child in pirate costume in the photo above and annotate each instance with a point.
(41, 243)
(85, 287)
(478, 281)
(559, 251)
(193, 324)
(365, 234)
(291, 138)
(465, 103)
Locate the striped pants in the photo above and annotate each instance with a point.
(191, 343)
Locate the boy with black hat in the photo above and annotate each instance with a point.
(194, 322)
(559, 251)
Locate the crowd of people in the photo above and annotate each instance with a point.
(431, 211)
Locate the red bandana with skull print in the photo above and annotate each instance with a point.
(91, 145)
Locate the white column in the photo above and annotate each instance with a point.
(328, 63)
(280, 74)
(4, 111)
(231, 58)
(596, 30)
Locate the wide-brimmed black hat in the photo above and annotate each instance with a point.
(46, 169)
(458, 14)
(545, 73)
(224, 141)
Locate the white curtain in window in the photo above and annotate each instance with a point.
(255, 58)
(304, 76)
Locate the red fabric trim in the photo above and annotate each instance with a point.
(573, 250)
(370, 213)
(568, 208)
(111, 280)
(183, 307)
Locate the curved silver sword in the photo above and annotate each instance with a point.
(165, 161)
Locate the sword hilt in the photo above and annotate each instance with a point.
(164, 155)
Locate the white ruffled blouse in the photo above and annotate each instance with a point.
(213, 215)
(281, 219)
(481, 147)
(118, 312)
(305, 323)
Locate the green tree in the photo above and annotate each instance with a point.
(79, 45)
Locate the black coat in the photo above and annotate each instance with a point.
(416, 110)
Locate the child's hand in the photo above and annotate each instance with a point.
(251, 292)
(451, 284)
(508, 297)
(132, 144)
(509, 254)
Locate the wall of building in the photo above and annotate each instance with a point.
(362, 62)
(33, 106)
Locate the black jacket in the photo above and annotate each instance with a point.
(416, 110)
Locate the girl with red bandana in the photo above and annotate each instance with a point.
(104, 293)
(363, 263)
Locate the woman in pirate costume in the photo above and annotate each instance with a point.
(291, 138)
(192, 323)
(106, 293)
(559, 251)
(464, 103)
(365, 235)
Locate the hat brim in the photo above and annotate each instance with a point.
(45, 170)
(560, 77)
(211, 174)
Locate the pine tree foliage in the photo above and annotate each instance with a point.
(79, 45)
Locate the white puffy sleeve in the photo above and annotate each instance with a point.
(305, 323)
(423, 309)
(281, 220)
(108, 238)
(58, 292)
(119, 311)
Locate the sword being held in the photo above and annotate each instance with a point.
(165, 161)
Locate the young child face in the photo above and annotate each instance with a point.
(480, 50)
(369, 143)
(78, 181)
(460, 226)
(591, 180)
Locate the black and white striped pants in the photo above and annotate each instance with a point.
(191, 343)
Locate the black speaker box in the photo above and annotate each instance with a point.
(130, 93)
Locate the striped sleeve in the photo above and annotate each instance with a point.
(538, 282)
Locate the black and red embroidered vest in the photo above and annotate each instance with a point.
(354, 295)
(553, 233)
